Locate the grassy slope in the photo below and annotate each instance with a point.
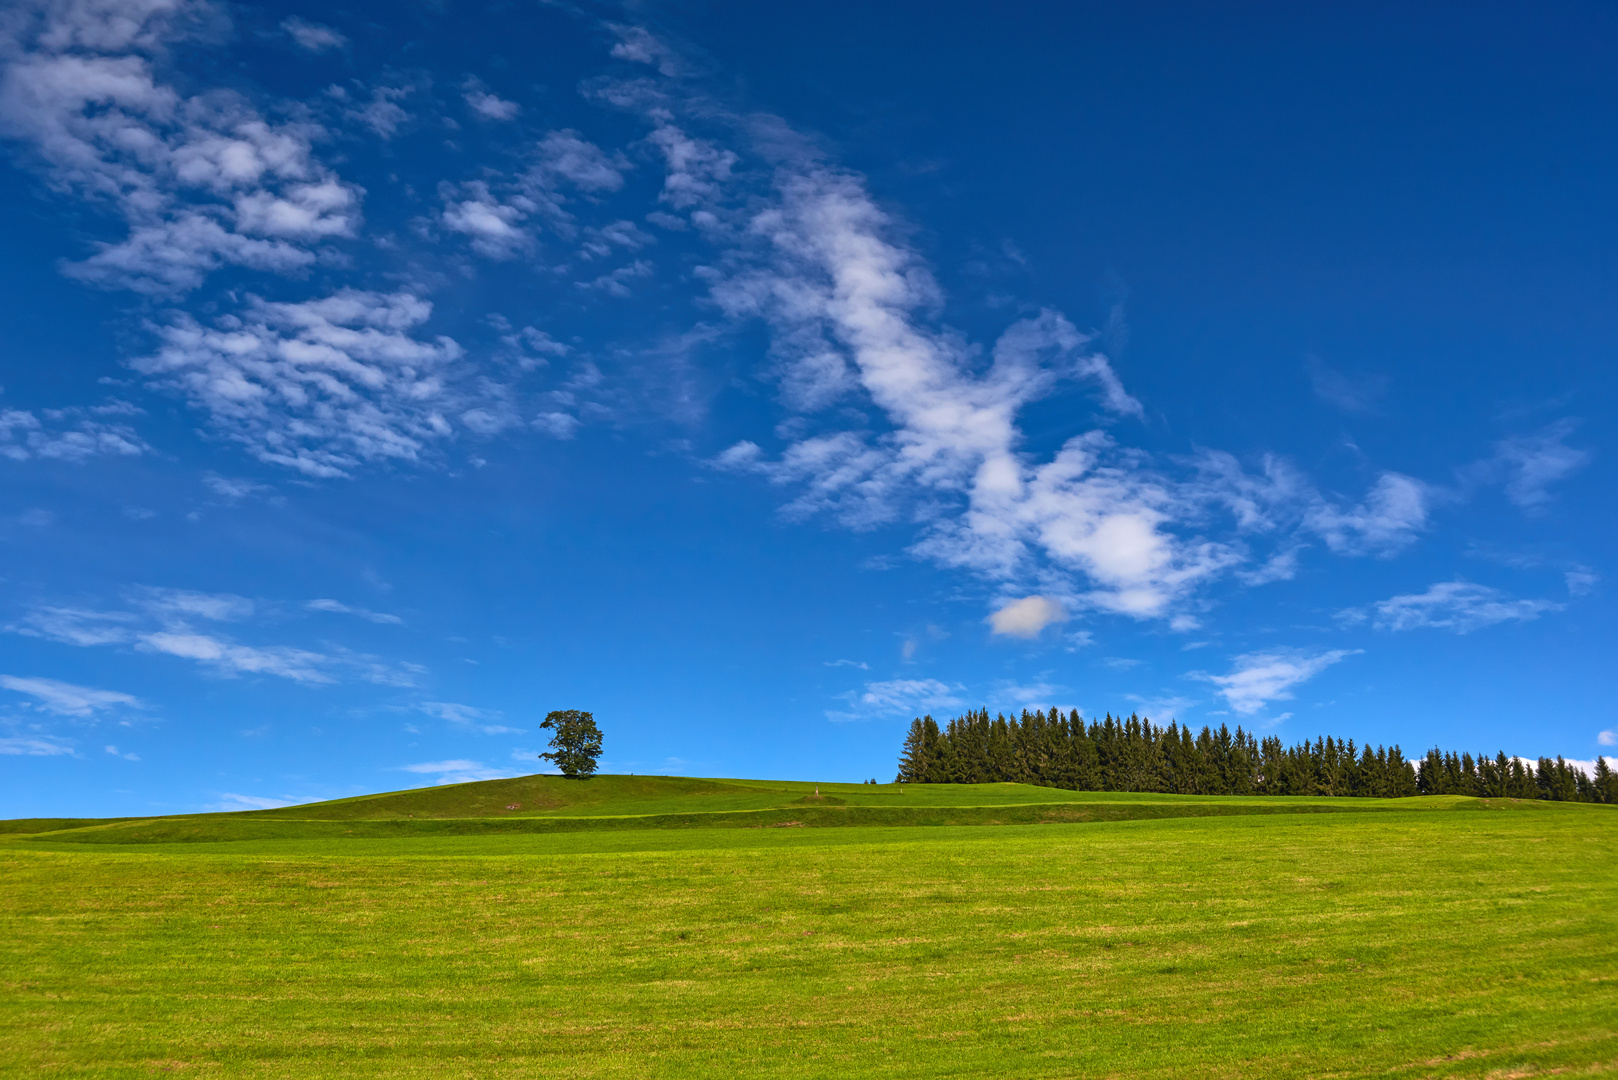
(1379, 943)
(553, 804)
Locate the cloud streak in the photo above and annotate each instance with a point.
(68, 699)
(1460, 606)
(1258, 678)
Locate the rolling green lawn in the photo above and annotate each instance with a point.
(1129, 935)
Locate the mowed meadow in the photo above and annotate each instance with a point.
(598, 930)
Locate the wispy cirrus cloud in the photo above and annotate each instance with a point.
(1532, 463)
(311, 36)
(898, 697)
(1258, 678)
(338, 608)
(468, 716)
(68, 699)
(804, 249)
(1460, 606)
(35, 746)
(458, 771)
(229, 802)
(164, 622)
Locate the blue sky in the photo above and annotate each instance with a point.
(378, 378)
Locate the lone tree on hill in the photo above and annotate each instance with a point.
(576, 744)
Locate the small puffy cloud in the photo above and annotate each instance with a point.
(115, 752)
(233, 488)
(1256, 679)
(1607, 738)
(336, 607)
(313, 37)
(68, 699)
(558, 425)
(636, 44)
(487, 104)
(73, 435)
(320, 386)
(1025, 618)
(1460, 606)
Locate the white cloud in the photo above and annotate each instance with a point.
(182, 603)
(114, 751)
(321, 386)
(229, 802)
(313, 37)
(234, 488)
(1389, 519)
(71, 434)
(1607, 738)
(338, 608)
(34, 746)
(895, 697)
(468, 716)
(1532, 463)
(1025, 618)
(488, 105)
(1460, 606)
(844, 301)
(636, 44)
(162, 626)
(501, 216)
(1031, 695)
(230, 660)
(1256, 679)
(1103, 526)
(76, 626)
(494, 227)
(382, 114)
(697, 170)
(68, 699)
(616, 282)
(200, 182)
(1588, 766)
(458, 771)
(1580, 580)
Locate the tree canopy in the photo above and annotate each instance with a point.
(575, 744)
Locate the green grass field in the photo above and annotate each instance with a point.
(656, 927)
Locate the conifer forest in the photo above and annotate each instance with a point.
(1134, 754)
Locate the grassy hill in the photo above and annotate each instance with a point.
(549, 804)
(661, 927)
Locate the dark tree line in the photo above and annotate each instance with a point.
(1135, 754)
